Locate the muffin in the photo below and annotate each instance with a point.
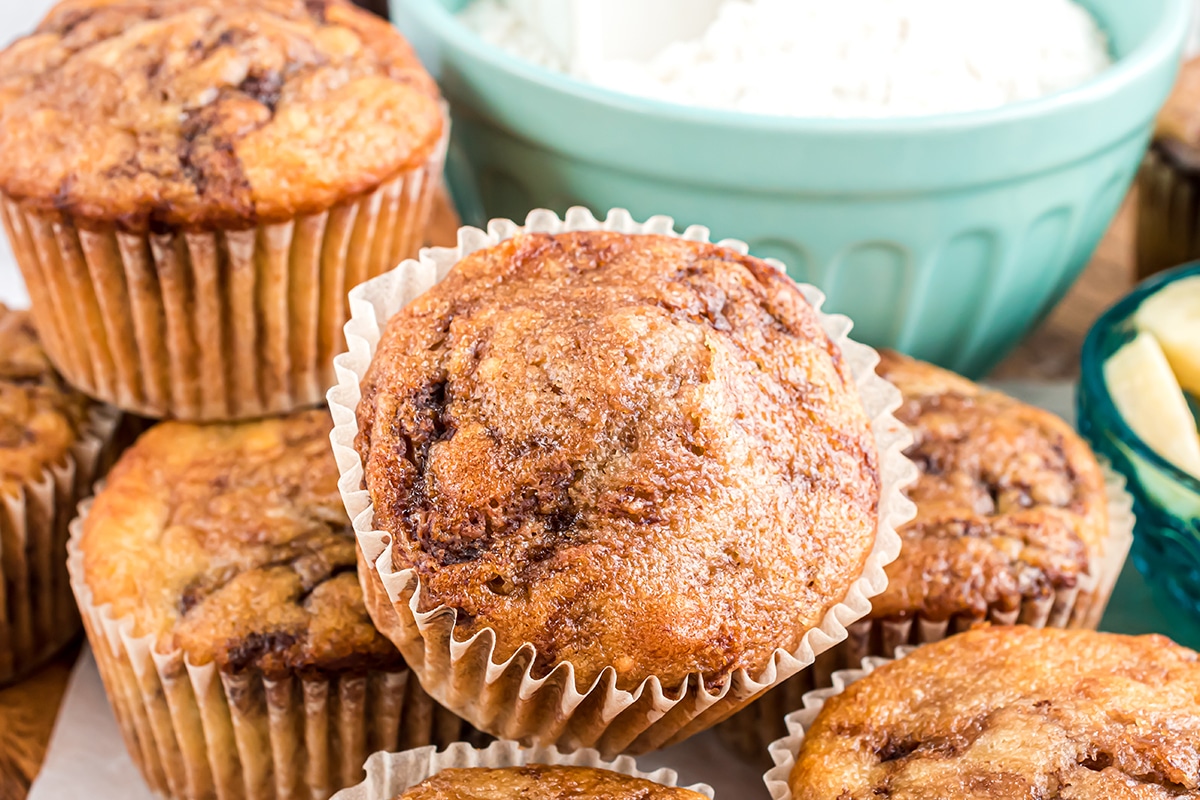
(541, 782)
(1012, 513)
(1012, 525)
(1008, 713)
(216, 573)
(630, 472)
(54, 443)
(505, 770)
(191, 187)
(1168, 228)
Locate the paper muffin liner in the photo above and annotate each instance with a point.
(215, 325)
(783, 751)
(1168, 225)
(37, 612)
(389, 774)
(504, 698)
(750, 730)
(196, 732)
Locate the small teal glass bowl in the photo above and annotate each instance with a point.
(947, 237)
(1166, 546)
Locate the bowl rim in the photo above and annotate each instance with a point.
(1166, 37)
(1091, 372)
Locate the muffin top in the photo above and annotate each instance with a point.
(1013, 713)
(631, 451)
(541, 782)
(1010, 501)
(209, 113)
(231, 542)
(40, 416)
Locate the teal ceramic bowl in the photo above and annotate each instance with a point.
(1166, 541)
(947, 237)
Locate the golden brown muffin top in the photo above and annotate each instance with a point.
(541, 782)
(40, 416)
(209, 113)
(231, 542)
(1010, 501)
(634, 451)
(1013, 714)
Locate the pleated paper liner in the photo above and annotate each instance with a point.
(783, 751)
(1168, 220)
(37, 612)
(504, 698)
(389, 774)
(216, 325)
(750, 731)
(197, 733)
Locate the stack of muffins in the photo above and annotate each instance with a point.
(607, 485)
(191, 189)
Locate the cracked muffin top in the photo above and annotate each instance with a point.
(1012, 714)
(41, 417)
(541, 782)
(209, 113)
(231, 542)
(630, 451)
(1010, 501)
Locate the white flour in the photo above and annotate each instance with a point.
(848, 58)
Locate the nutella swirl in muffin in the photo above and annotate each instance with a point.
(541, 782)
(209, 113)
(631, 451)
(1013, 714)
(1010, 501)
(230, 542)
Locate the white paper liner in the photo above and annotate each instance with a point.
(37, 612)
(783, 751)
(504, 698)
(389, 774)
(1080, 606)
(215, 325)
(197, 733)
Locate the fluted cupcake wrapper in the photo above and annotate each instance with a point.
(783, 751)
(504, 698)
(1081, 606)
(214, 325)
(37, 613)
(389, 774)
(196, 732)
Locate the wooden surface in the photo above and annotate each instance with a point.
(27, 710)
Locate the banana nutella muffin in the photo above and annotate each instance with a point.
(53, 443)
(226, 549)
(1011, 504)
(620, 457)
(1012, 524)
(541, 782)
(192, 186)
(1008, 713)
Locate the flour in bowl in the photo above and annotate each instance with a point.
(847, 58)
